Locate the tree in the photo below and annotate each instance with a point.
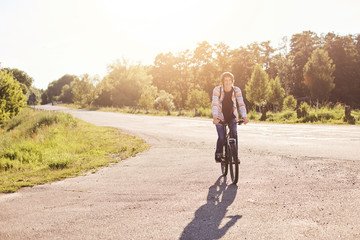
(283, 65)
(302, 45)
(164, 72)
(183, 79)
(346, 57)
(84, 90)
(318, 75)
(37, 92)
(197, 99)
(261, 53)
(242, 67)
(12, 98)
(276, 92)
(32, 99)
(22, 77)
(66, 95)
(205, 71)
(125, 82)
(223, 57)
(258, 87)
(54, 88)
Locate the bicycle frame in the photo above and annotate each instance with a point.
(230, 158)
(228, 140)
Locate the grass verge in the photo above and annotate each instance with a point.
(39, 147)
(324, 115)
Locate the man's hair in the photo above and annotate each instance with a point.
(226, 74)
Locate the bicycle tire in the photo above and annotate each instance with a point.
(233, 164)
(224, 164)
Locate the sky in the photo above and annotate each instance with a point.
(50, 38)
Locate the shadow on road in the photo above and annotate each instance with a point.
(206, 224)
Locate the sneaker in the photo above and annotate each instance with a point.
(218, 157)
(238, 161)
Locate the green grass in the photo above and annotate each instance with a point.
(38, 147)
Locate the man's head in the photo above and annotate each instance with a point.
(227, 75)
(227, 80)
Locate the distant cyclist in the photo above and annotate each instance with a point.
(226, 99)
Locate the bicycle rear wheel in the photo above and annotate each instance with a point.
(233, 164)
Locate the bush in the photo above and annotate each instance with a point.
(198, 99)
(325, 116)
(287, 115)
(310, 118)
(164, 101)
(270, 117)
(252, 114)
(350, 119)
(204, 112)
(289, 103)
(304, 107)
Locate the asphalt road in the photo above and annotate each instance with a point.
(296, 182)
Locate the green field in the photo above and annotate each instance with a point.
(38, 147)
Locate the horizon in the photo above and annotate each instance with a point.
(77, 37)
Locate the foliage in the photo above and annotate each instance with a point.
(55, 88)
(276, 92)
(22, 77)
(164, 101)
(257, 89)
(34, 91)
(125, 82)
(318, 73)
(12, 98)
(148, 97)
(32, 99)
(302, 45)
(203, 112)
(198, 99)
(84, 91)
(287, 115)
(304, 107)
(289, 103)
(66, 95)
(252, 115)
(38, 147)
(200, 68)
(344, 51)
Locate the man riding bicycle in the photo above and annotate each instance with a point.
(226, 100)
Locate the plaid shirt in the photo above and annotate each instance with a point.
(218, 97)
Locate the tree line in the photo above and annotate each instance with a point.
(323, 68)
(186, 79)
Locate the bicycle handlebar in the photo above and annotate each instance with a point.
(225, 124)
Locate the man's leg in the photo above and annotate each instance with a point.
(220, 142)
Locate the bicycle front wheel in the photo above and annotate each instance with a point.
(233, 164)
(224, 163)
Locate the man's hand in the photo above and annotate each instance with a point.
(246, 120)
(216, 121)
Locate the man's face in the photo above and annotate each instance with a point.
(228, 83)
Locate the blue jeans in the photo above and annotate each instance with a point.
(221, 135)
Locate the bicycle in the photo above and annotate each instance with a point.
(230, 159)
